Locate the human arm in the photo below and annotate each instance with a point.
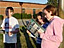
(16, 31)
(57, 28)
(15, 27)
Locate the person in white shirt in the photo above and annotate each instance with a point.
(11, 27)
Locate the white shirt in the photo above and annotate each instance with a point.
(13, 23)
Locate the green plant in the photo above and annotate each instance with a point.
(1, 17)
(29, 16)
(25, 16)
(17, 15)
(22, 16)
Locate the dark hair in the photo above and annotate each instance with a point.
(12, 10)
(51, 8)
(38, 14)
(42, 14)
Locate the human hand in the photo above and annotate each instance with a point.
(27, 31)
(10, 33)
(40, 32)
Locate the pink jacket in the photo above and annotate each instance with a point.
(53, 34)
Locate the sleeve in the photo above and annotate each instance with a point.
(57, 28)
(17, 24)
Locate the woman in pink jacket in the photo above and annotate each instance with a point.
(53, 34)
